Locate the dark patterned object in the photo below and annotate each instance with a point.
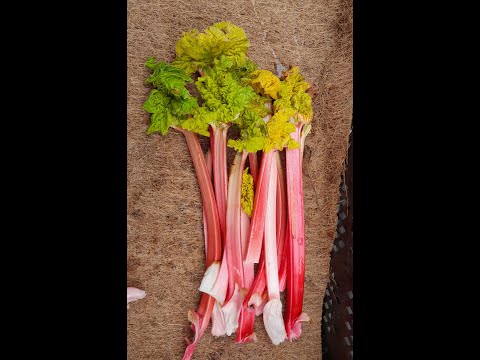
(337, 322)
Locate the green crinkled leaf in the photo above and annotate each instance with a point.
(161, 122)
(199, 50)
(156, 102)
(279, 129)
(170, 103)
(242, 74)
(293, 95)
(168, 76)
(183, 106)
(251, 125)
(302, 102)
(258, 105)
(222, 94)
(252, 132)
(253, 144)
(200, 121)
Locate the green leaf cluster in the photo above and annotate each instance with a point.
(232, 90)
(169, 102)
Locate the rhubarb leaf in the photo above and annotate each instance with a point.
(293, 95)
(279, 129)
(169, 102)
(224, 98)
(199, 50)
(266, 83)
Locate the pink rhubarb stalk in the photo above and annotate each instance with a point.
(254, 298)
(282, 271)
(272, 312)
(245, 333)
(218, 148)
(208, 161)
(281, 218)
(218, 291)
(259, 210)
(233, 244)
(201, 317)
(281, 210)
(296, 249)
(257, 296)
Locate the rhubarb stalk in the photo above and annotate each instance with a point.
(218, 148)
(272, 312)
(298, 104)
(259, 211)
(201, 317)
(257, 296)
(233, 244)
(245, 331)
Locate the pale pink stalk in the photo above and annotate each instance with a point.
(257, 297)
(254, 246)
(259, 210)
(296, 249)
(248, 269)
(272, 312)
(245, 333)
(218, 148)
(233, 244)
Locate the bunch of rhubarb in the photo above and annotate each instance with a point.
(253, 214)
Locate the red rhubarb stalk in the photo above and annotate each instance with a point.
(201, 317)
(218, 147)
(282, 272)
(218, 290)
(214, 251)
(281, 211)
(208, 161)
(220, 277)
(282, 229)
(296, 261)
